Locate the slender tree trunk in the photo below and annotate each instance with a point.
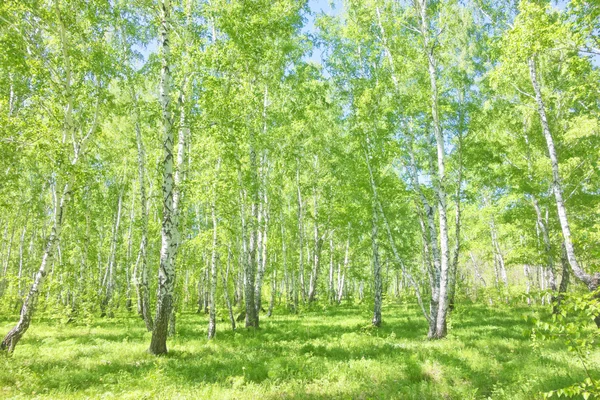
(244, 253)
(338, 282)
(7, 260)
(259, 254)
(499, 257)
(342, 280)
(547, 244)
(330, 288)
(4, 240)
(212, 320)
(300, 237)
(225, 279)
(109, 278)
(318, 244)
(69, 131)
(273, 292)
(206, 287)
(591, 281)
(376, 269)
(435, 287)
(177, 191)
(527, 283)
(128, 300)
(27, 309)
(288, 276)
(476, 269)
(252, 317)
(431, 254)
(457, 225)
(141, 269)
(21, 245)
(263, 235)
(249, 283)
(376, 321)
(440, 187)
(200, 292)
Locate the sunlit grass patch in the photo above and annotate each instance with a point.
(315, 355)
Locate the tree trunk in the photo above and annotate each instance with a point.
(212, 320)
(527, 283)
(300, 238)
(564, 281)
(341, 281)
(128, 300)
(273, 292)
(21, 245)
(476, 269)
(376, 269)
(251, 264)
(457, 225)
(141, 275)
(27, 309)
(69, 132)
(499, 258)
(430, 249)
(547, 244)
(318, 244)
(169, 234)
(263, 237)
(225, 279)
(440, 186)
(591, 281)
(7, 259)
(206, 287)
(109, 278)
(330, 288)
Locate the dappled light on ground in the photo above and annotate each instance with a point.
(322, 354)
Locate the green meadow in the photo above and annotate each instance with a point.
(329, 353)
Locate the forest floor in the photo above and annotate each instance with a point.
(326, 353)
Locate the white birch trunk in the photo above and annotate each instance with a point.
(109, 281)
(591, 281)
(547, 244)
(376, 321)
(318, 242)
(169, 234)
(430, 249)
(27, 309)
(440, 187)
(212, 319)
(263, 222)
(342, 279)
(330, 288)
(499, 258)
(300, 237)
(527, 283)
(225, 279)
(141, 270)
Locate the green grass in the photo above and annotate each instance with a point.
(331, 353)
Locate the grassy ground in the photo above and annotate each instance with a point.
(323, 354)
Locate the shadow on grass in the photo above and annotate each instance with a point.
(337, 344)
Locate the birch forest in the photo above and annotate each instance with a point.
(303, 199)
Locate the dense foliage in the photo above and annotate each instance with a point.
(168, 156)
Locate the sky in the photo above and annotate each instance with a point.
(329, 7)
(334, 7)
